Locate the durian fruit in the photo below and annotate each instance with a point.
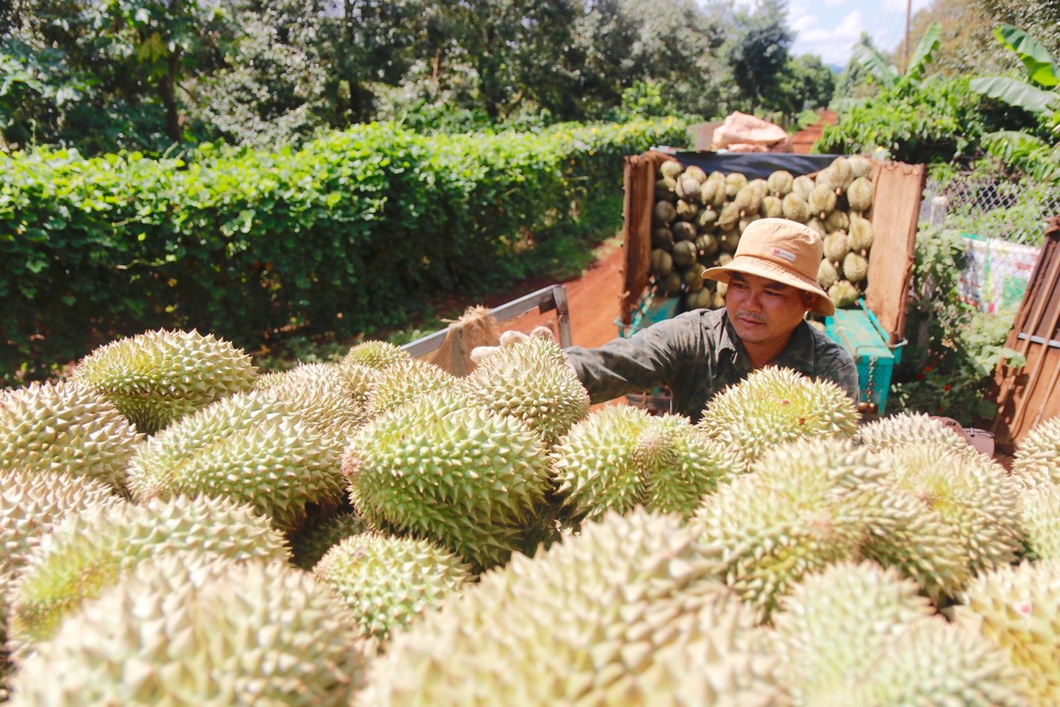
(589, 621)
(734, 182)
(843, 294)
(826, 274)
(843, 174)
(700, 299)
(936, 663)
(89, 550)
(817, 225)
(65, 428)
(687, 210)
(211, 633)
(254, 448)
(706, 220)
(729, 216)
(529, 379)
(911, 429)
(696, 173)
(802, 186)
(665, 189)
(1037, 459)
(855, 267)
(387, 581)
(684, 253)
(683, 231)
(663, 214)
(1040, 521)
(822, 202)
(859, 195)
(407, 380)
(662, 239)
(836, 624)
(860, 166)
(775, 529)
(311, 542)
(730, 241)
(860, 234)
(712, 193)
(662, 263)
(693, 280)
(707, 245)
(159, 376)
(621, 457)
(837, 221)
(780, 183)
(772, 207)
(795, 208)
(836, 246)
(671, 169)
(1018, 609)
(973, 496)
(321, 394)
(687, 187)
(774, 405)
(31, 504)
(457, 473)
(670, 284)
(375, 354)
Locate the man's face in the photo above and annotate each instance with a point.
(763, 311)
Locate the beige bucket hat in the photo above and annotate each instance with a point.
(781, 250)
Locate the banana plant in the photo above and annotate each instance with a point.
(886, 73)
(1038, 94)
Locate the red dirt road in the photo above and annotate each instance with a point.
(592, 299)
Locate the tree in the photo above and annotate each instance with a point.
(804, 83)
(758, 52)
(966, 40)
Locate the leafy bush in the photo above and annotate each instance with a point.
(351, 233)
(953, 349)
(937, 120)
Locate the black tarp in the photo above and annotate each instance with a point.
(753, 165)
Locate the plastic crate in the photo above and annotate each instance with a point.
(651, 309)
(860, 333)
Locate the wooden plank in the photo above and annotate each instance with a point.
(897, 191)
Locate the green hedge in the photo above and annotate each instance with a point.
(345, 236)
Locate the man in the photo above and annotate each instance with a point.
(772, 285)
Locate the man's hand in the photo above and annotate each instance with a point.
(508, 339)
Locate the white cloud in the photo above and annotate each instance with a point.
(831, 44)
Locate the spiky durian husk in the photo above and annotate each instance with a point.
(780, 183)
(859, 195)
(1037, 460)
(387, 581)
(1040, 516)
(774, 405)
(529, 379)
(593, 464)
(65, 428)
(1018, 609)
(254, 448)
(899, 529)
(590, 621)
(835, 625)
(620, 457)
(458, 473)
(773, 534)
(159, 376)
(972, 495)
(406, 380)
(220, 632)
(936, 663)
(375, 354)
(30, 504)
(310, 542)
(323, 401)
(89, 550)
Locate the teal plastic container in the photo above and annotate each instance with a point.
(860, 333)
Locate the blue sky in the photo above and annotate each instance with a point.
(828, 28)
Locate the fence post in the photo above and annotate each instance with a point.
(938, 211)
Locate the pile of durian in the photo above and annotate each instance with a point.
(698, 219)
(179, 529)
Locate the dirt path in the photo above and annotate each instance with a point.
(592, 299)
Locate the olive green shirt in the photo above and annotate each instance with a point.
(696, 355)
